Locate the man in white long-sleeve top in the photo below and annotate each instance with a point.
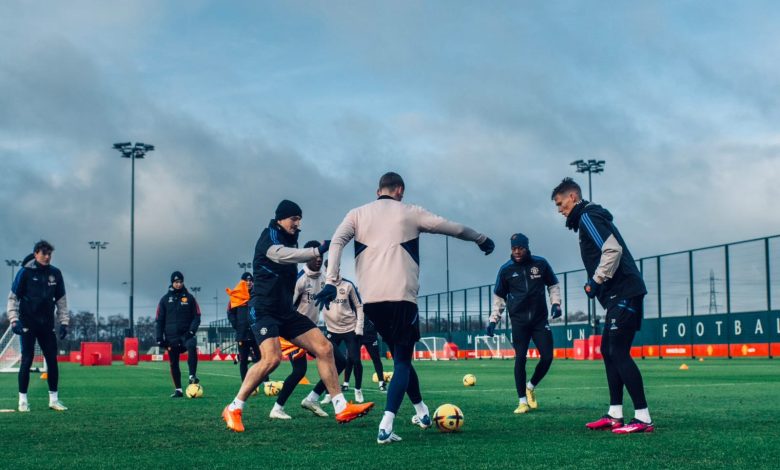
(387, 256)
(272, 314)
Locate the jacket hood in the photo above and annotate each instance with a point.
(573, 220)
(239, 295)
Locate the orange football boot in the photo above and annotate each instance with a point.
(353, 411)
(233, 419)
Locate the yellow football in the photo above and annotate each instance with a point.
(469, 380)
(194, 391)
(271, 389)
(448, 418)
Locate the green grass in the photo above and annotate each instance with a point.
(718, 414)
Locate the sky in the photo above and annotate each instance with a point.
(480, 106)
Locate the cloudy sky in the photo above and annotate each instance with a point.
(481, 107)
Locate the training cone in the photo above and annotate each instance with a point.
(44, 376)
(304, 381)
(684, 367)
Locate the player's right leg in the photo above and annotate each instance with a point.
(613, 419)
(315, 342)
(521, 338)
(27, 340)
(270, 356)
(174, 351)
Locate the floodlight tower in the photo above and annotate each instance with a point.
(589, 167)
(13, 263)
(97, 246)
(133, 152)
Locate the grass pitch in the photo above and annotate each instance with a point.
(717, 414)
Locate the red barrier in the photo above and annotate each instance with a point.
(594, 348)
(750, 350)
(131, 352)
(95, 354)
(581, 349)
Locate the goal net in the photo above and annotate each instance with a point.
(11, 354)
(490, 347)
(430, 348)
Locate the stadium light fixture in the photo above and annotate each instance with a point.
(245, 266)
(133, 152)
(97, 246)
(13, 263)
(589, 167)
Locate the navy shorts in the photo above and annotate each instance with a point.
(289, 326)
(624, 316)
(396, 322)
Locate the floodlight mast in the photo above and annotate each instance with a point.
(133, 152)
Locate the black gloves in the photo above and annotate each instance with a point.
(63, 331)
(487, 246)
(17, 327)
(491, 329)
(325, 297)
(555, 311)
(592, 288)
(324, 247)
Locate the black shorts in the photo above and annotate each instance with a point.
(289, 326)
(625, 315)
(369, 340)
(396, 322)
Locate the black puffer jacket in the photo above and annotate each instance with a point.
(594, 224)
(274, 282)
(239, 320)
(178, 314)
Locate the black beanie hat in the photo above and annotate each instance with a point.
(287, 209)
(519, 240)
(246, 277)
(177, 275)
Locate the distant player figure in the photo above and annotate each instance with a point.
(37, 291)
(273, 315)
(615, 281)
(387, 255)
(177, 322)
(310, 280)
(520, 289)
(371, 343)
(238, 316)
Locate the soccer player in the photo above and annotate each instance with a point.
(273, 315)
(615, 281)
(371, 342)
(177, 321)
(238, 316)
(344, 321)
(520, 289)
(38, 289)
(387, 254)
(310, 280)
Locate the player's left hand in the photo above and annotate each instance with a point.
(555, 311)
(592, 288)
(63, 331)
(325, 297)
(487, 246)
